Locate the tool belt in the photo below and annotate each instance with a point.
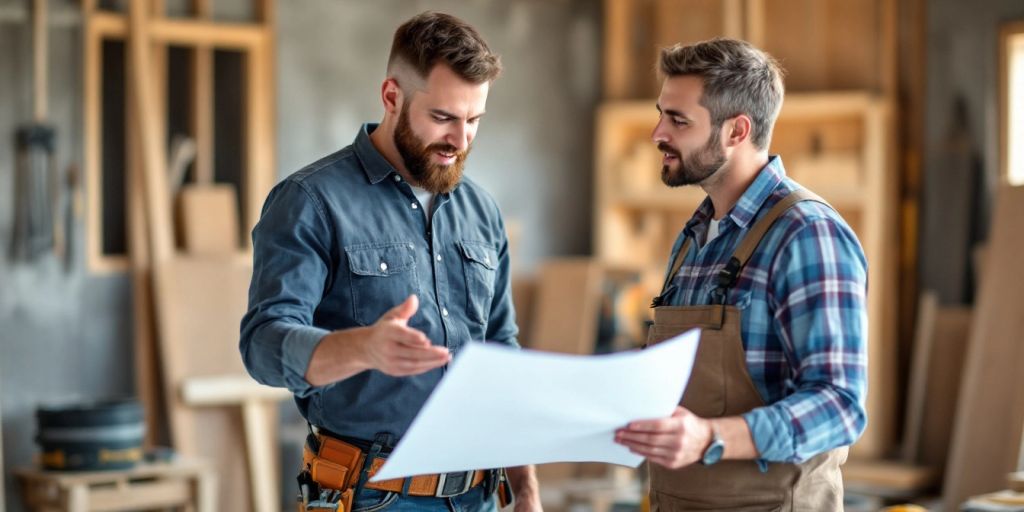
(334, 471)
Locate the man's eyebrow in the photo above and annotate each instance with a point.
(671, 112)
(442, 113)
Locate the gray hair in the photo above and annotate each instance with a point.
(738, 79)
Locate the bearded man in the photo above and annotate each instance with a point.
(776, 280)
(373, 266)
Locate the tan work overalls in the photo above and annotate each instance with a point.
(721, 386)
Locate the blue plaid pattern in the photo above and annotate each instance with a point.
(803, 297)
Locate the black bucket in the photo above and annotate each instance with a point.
(91, 436)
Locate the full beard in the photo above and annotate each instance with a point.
(697, 166)
(433, 177)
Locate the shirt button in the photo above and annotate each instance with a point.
(398, 178)
(444, 312)
(487, 259)
(414, 206)
(383, 266)
(438, 257)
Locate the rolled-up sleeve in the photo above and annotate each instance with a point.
(819, 294)
(291, 255)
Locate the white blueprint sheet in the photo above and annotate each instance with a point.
(499, 407)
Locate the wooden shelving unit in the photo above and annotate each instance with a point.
(836, 135)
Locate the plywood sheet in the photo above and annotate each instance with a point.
(209, 219)
(566, 306)
(200, 303)
(990, 417)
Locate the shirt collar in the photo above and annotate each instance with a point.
(375, 165)
(742, 214)
(768, 179)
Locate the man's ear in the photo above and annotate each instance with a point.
(391, 96)
(738, 130)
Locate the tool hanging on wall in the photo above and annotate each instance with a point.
(37, 185)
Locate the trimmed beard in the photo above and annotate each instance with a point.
(698, 165)
(432, 177)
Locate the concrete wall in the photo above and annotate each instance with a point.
(533, 150)
(962, 62)
(67, 335)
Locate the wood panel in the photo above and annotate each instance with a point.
(990, 416)
(566, 306)
(200, 301)
(826, 44)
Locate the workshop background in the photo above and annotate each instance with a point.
(138, 139)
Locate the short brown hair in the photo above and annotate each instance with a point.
(433, 38)
(738, 79)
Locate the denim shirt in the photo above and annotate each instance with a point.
(344, 240)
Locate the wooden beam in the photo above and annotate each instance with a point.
(202, 101)
(40, 50)
(617, 59)
(990, 411)
(202, 113)
(755, 23)
(259, 155)
(92, 135)
(187, 32)
(147, 125)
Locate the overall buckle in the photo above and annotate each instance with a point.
(454, 484)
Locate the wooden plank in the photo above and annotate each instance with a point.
(148, 387)
(888, 477)
(40, 51)
(952, 328)
(92, 135)
(567, 304)
(990, 416)
(755, 22)
(200, 302)
(617, 58)
(924, 349)
(141, 495)
(202, 112)
(261, 421)
(228, 390)
(879, 238)
(523, 294)
(180, 467)
(259, 147)
(202, 101)
(147, 124)
(3, 485)
(240, 36)
(209, 219)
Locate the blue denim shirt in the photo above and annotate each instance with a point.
(344, 240)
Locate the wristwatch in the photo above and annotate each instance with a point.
(713, 453)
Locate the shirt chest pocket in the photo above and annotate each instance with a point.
(479, 264)
(382, 275)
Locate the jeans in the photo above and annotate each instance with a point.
(370, 500)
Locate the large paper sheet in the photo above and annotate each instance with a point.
(499, 407)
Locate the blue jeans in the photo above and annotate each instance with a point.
(370, 500)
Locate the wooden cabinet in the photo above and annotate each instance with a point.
(822, 44)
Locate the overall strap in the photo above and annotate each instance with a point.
(728, 276)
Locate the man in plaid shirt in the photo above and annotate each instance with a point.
(777, 281)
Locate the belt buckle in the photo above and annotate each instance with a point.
(453, 484)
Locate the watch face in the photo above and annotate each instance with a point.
(714, 452)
